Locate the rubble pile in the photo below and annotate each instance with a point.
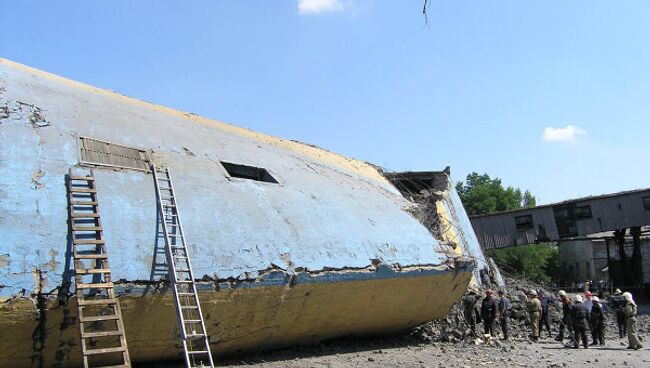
(454, 328)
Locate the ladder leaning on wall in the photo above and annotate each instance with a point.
(194, 336)
(100, 318)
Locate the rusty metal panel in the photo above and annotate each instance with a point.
(98, 152)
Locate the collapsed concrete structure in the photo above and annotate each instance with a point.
(294, 244)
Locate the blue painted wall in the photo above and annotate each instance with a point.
(327, 212)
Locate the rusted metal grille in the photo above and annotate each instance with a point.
(98, 152)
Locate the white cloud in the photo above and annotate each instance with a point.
(567, 134)
(319, 6)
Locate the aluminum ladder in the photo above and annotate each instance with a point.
(196, 345)
(101, 326)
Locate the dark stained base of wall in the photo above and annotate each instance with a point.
(238, 320)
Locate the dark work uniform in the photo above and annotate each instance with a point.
(618, 305)
(567, 319)
(489, 313)
(545, 319)
(504, 311)
(469, 311)
(597, 324)
(580, 324)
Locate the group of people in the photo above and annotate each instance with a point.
(580, 315)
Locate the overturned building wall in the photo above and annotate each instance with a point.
(326, 249)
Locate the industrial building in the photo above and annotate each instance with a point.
(598, 236)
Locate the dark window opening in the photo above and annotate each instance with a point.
(646, 203)
(248, 172)
(582, 212)
(524, 223)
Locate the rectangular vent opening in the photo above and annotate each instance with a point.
(102, 153)
(248, 172)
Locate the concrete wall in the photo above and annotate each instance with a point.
(331, 220)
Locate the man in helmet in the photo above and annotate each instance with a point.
(580, 323)
(489, 311)
(534, 308)
(617, 302)
(567, 319)
(597, 322)
(630, 318)
(587, 300)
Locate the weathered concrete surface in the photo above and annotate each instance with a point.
(241, 319)
(327, 216)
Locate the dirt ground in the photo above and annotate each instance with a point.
(407, 351)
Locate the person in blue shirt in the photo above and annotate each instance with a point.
(504, 313)
(545, 319)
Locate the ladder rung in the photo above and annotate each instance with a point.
(169, 205)
(197, 351)
(102, 285)
(88, 335)
(84, 271)
(177, 256)
(97, 301)
(185, 294)
(194, 336)
(90, 256)
(189, 307)
(86, 228)
(84, 215)
(83, 203)
(104, 351)
(184, 281)
(87, 178)
(88, 241)
(82, 190)
(111, 317)
(182, 270)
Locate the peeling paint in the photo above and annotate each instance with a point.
(5, 260)
(36, 179)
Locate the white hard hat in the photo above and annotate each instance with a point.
(596, 299)
(578, 298)
(562, 293)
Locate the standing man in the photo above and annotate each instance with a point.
(597, 322)
(545, 318)
(469, 310)
(587, 300)
(580, 323)
(534, 308)
(630, 319)
(504, 313)
(489, 312)
(567, 318)
(618, 305)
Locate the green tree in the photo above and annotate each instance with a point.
(535, 262)
(481, 194)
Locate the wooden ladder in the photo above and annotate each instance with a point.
(100, 318)
(196, 345)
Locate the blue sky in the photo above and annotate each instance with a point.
(551, 96)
